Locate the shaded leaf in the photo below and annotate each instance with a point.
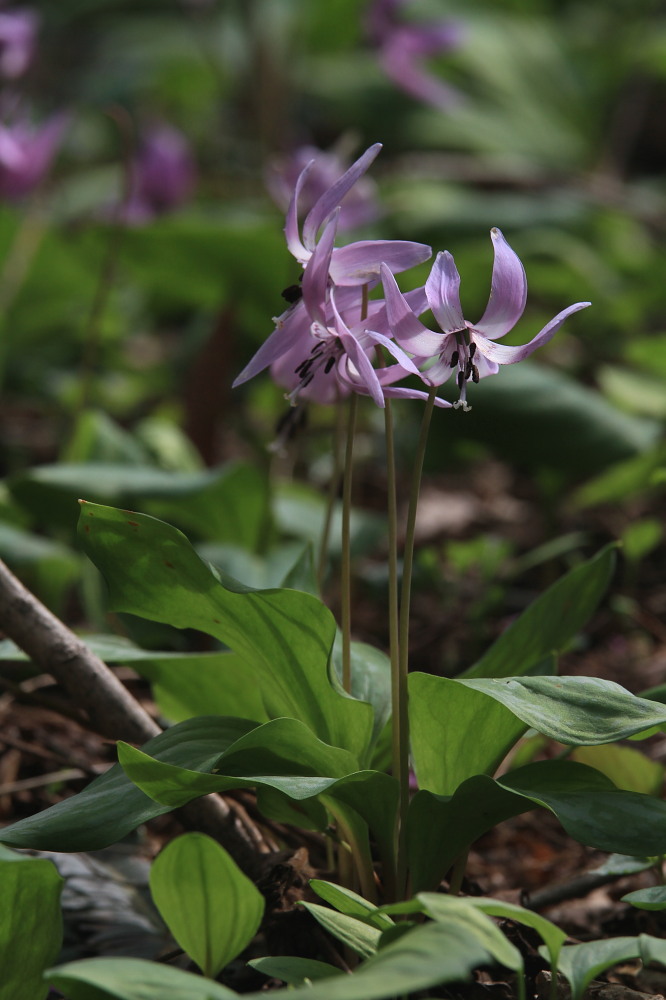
(132, 979)
(294, 971)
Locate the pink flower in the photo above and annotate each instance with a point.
(27, 152)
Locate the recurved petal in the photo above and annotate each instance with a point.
(407, 329)
(508, 291)
(359, 263)
(442, 290)
(315, 275)
(403, 359)
(402, 392)
(504, 354)
(292, 326)
(330, 199)
(294, 244)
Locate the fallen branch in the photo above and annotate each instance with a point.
(110, 707)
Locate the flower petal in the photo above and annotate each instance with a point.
(402, 392)
(293, 325)
(393, 349)
(315, 275)
(442, 292)
(330, 199)
(294, 244)
(508, 291)
(503, 354)
(409, 331)
(359, 263)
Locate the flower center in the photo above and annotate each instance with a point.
(326, 352)
(462, 358)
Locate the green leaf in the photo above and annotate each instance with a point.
(300, 510)
(211, 908)
(132, 979)
(622, 481)
(551, 621)
(551, 935)
(456, 732)
(584, 962)
(586, 803)
(535, 415)
(294, 971)
(627, 768)
(346, 901)
(583, 711)
(423, 957)
(30, 923)
(653, 898)
(284, 636)
(371, 679)
(356, 934)
(92, 820)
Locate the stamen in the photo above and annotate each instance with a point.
(475, 373)
(454, 359)
(461, 379)
(329, 365)
(468, 368)
(292, 294)
(307, 380)
(472, 349)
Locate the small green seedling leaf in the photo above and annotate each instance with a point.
(211, 908)
(358, 935)
(30, 923)
(346, 901)
(653, 898)
(294, 971)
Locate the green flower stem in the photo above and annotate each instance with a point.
(400, 772)
(333, 487)
(345, 560)
(403, 640)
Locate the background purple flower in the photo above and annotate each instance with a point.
(27, 152)
(163, 174)
(18, 37)
(359, 206)
(403, 45)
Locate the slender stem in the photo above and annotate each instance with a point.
(458, 872)
(345, 561)
(333, 487)
(405, 596)
(398, 756)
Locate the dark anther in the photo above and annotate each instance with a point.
(475, 373)
(317, 349)
(292, 294)
(304, 367)
(291, 422)
(468, 368)
(461, 379)
(454, 359)
(329, 365)
(472, 349)
(307, 380)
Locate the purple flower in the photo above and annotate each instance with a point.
(358, 207)
(27, 152)
(328, 268)
(402, 46)
(163, 174)
(18, 35)
(468, 349)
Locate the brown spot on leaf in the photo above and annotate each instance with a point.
(167, 563)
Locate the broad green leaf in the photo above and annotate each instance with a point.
(653, 898)
(535, 415)
(586, 803)
(282, 755)
(371, 679)
(581, 963)
(622, 480)
(550, 622)
(358, 935)
(229, 504)
(132, 979)
(211, 908)
(299, 511)
(584, 711)
(640, 538)
(627, 768)
(284, 636)
(623, 864)
(47, 567)
(591, 809)
(294, 971)
(92, 819)
(456, 732)
(30, 923)
(346, 901)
